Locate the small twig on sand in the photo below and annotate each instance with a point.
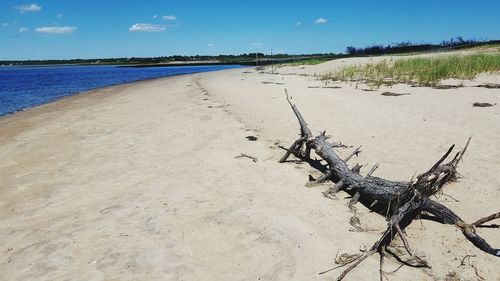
(466, 257)
(483, 104)
(244, 155)
(391, 94)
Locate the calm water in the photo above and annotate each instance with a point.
(25, 87)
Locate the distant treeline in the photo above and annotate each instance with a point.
(258, 58)
(409, 47)
(236, 59)
(138, 60)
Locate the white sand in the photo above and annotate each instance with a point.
(139, 181)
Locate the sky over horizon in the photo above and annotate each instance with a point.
(61, 29)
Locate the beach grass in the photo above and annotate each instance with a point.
(419, 71)
(311, 61)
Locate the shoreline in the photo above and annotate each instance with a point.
(103, 88)
(141, 181)
(76, 95)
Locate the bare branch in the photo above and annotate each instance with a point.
(401, 202)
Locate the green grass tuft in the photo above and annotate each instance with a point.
(420, 71)
(312, 61)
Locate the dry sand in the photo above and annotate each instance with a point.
(140, 181)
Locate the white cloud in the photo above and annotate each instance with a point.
(24, 29)
(5, 24)
(257, 44)
(155, 16)
(210, 44)
(146, 27)
(55, 29)
(320, 21)
(169, 17)
(59, 16)
(298, 23)
(28, 8)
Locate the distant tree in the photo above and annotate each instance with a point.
(351, 50)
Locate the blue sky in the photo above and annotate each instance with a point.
(62, 29)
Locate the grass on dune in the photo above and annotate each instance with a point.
(420, 71)
(312, 61)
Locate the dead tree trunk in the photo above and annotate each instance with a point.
(399, 201)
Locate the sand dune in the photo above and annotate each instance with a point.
(140, 181)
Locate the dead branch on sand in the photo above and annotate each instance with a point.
(244, 155)
(401, 202)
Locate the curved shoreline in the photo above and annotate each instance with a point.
(111, 85)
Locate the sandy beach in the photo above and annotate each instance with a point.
(142, 181)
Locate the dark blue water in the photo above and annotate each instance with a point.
(25, 87)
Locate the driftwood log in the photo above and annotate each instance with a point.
(400, 202)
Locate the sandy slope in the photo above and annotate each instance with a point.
(139, 181)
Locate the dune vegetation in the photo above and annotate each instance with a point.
(419, 71)
(309, 61)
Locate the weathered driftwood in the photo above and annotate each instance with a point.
(399, 201)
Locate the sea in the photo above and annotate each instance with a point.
(23, 87)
